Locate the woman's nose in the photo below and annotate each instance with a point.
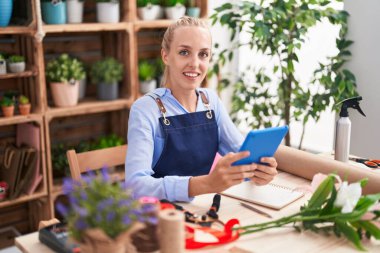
(193, 61)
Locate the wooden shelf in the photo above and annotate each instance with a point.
(27, 73)
(23, 198)
(87, 27)
(18, 119)
(87, 107)
(17, 30)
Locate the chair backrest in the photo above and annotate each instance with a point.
(94, 160)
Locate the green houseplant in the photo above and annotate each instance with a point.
(174, 9)
(64, 74)
(24, 105)
(7, 106)
(101, 214)
(147, 74)
(106, 74)
(149, 9)
(16, 63)
(277, 29)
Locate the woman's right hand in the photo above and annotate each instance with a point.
(225, 175)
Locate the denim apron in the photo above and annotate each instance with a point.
(190, 141)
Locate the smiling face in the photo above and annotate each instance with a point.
(188, 58)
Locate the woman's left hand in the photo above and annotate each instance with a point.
(265, 172)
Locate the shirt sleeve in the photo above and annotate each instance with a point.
(230, 138)
(142, 127)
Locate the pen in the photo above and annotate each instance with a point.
(255, 210)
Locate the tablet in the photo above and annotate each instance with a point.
(261, 143)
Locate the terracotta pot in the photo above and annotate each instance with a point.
(65, 94)
(8, 111)
(24, 109)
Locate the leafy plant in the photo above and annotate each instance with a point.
(172, 3)
(107, 1)
(277, 29)
(16, 58)
(343, 212)
(7, 101)
(2, 57)
(147, 70)
(192, 3)
(144, 3)
(160, 66)
(111, 140)
(108, 70)
(65, 69)
(23, 100)
(96, 202)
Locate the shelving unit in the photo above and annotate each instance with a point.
(129, 40)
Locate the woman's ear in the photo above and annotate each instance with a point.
(164, 56)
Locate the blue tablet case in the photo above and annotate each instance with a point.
(262, 143)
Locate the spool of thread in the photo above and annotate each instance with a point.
(171, 225)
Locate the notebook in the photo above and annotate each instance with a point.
(270, 195)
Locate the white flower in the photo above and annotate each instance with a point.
(348, 196)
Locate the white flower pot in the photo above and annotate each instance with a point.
(108, 12)
(74, 11)
(65, 94)
(175, 12)
(3, 67)
(16, 67)
(148, 86)
(150, 12)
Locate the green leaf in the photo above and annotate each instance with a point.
(350, 234)
(322, 192)
(370, 227)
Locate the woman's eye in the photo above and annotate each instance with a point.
(183, 52)
(203, 54)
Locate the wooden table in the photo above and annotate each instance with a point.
(275, 240)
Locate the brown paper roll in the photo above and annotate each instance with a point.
(171, 224)
(306, 165)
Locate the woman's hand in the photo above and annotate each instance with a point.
(265, 173)
(225, 175)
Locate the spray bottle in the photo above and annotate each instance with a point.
(343, 128)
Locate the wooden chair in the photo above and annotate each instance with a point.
(94, 160)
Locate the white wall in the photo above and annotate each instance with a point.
(364, 31)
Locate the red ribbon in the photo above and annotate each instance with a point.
(226, 236)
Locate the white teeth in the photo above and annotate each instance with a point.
(191, 74)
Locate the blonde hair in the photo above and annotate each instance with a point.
(169, 33)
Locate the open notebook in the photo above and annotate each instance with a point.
(270, 195)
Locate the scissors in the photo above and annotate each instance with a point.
(374, 164)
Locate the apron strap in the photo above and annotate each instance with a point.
(163, 110)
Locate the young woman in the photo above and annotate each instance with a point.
(175, 131)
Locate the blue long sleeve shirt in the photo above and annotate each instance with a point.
(146, 143)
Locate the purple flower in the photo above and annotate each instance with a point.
(68, 186)
(105, 175)
(152, 220)
(80, 210)
(73, 200)
(104, 204)
(62, 209)
(80, 224)
(111, 216)
(124, 186)
(126, 220)
(83, 195)
(148, 208)
(98, 218)
(125, 202)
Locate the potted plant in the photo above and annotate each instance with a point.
(106, 74)
(6, 7)
(192, 9)
(74, 11)
(108, 11)
(174, 9)
(101, 214)
(149, 9)
(64, 74)
(160, 68)
(24, 105)
(147, 74)
(16, 63)
(7, 106)
(53, 11)
(3, 65)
